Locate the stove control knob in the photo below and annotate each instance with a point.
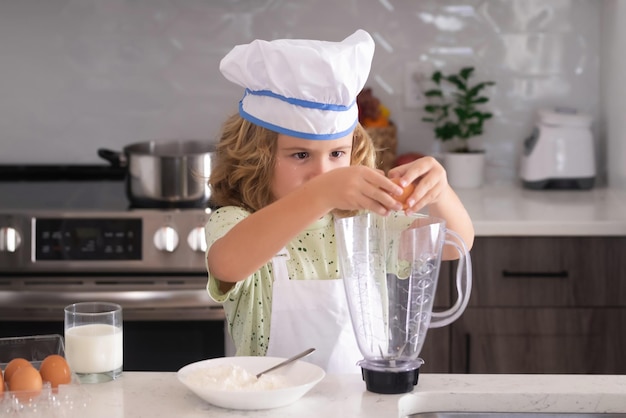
(197, 240)
(166, 239)
(10, 239)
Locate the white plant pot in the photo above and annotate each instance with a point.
(465, 170)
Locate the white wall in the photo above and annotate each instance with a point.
(77, 75)
(613, 76)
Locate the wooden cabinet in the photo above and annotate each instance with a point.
(539, 340)
(549, 271)
(544, 305)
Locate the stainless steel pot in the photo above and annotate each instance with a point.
(165, 173)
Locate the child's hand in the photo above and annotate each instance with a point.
(356, 188)
(429, 178)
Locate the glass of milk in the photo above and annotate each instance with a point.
(94, 340)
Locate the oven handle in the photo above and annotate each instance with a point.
(129, 299)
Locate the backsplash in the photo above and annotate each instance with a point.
(79, 75)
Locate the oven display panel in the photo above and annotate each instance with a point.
(88, 239)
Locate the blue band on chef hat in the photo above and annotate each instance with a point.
(289, 132)
(301, 103)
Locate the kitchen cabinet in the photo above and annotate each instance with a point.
(544, 305)
(540, 340)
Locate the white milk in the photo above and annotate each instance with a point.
(94, 348)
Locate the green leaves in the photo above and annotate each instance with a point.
(456, 114)
(433, 93)
(466, 72)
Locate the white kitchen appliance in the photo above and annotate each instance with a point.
(559, 154)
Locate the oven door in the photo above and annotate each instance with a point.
(163, 346)
(169, 321)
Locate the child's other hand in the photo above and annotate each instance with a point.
(429, 178)
(357, 188)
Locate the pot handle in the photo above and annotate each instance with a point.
(117, 159)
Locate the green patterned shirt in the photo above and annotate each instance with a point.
(248, 304)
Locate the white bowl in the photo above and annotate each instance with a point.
(300, 377)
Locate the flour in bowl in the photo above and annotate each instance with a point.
(233, 377)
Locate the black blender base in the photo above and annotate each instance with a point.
(390, 382)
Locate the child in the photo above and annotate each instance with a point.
(293, 156)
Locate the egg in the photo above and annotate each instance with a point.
(54, 369)
(1, 384)
(406, 192)
(13, 366)
(26, 382)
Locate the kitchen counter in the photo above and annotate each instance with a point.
(153, 395)
(509, 210)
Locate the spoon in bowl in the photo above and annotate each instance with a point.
(289, 360)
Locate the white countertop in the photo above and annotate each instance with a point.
(153, 395)
(510, 210)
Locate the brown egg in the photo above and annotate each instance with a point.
(13, 366)
(54, 369)
(1, 384)
(406, 192)
(26, 382)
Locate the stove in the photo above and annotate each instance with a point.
(88, 226)
(83, 237)
(68, 241)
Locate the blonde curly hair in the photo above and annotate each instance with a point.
(244, 162)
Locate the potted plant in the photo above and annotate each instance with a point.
(454, 107)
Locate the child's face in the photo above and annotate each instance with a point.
(299, 160)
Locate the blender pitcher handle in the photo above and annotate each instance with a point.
(463, 276)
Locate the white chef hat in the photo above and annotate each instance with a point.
(301, 88)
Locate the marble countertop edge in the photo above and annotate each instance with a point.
(156, 395)
(516, 393)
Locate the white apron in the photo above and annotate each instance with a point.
(311, 313)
